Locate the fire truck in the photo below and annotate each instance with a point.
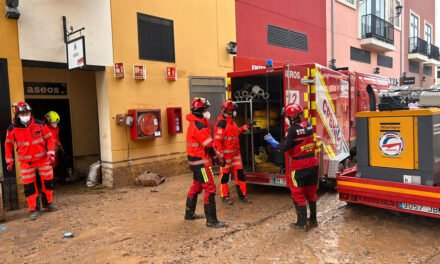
(330, 100)
(398, 155)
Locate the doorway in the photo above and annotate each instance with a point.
(62, 106)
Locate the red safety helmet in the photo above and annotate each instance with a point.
(292, 110)
(229, 105)
(199, 103)
(21, 107)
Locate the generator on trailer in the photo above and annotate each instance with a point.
(330, 100)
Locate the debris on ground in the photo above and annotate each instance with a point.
(148, 179)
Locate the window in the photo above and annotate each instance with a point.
(399, 19)
(428, 33)
(414, 26)
(360, 55)
(384, 61)
(156, 38)
(427, 70)
(438, 74)
(287, 38)
(414, 67)
(350, 3)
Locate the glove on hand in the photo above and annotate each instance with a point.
(51, 160)
(268, 137)
(220, 161)
(10, 166)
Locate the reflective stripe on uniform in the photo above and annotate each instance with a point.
(230, 138)
(37, 141)
(206, 142)
(39, 155)
(45, 173)
(218, 137)
(48, 135)
(24, 157)
(27, 170)
(293, 179)
(230, 150)
(46, 168)
(51, 152)
(205, 176)
(23, 143)
(236, 163)
(9, 160)
(197, 162)
(9, 141)
(192, 144)
(28, 176)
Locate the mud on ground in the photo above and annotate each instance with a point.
(139, 225)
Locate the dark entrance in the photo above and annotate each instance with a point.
(62, 106)
(10, 197)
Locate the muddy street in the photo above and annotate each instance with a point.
(145, 225)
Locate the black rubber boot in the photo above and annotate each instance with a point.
(34, 214)
(51, 207)
(227, 200)
(211, 214)
(44, 201)
(301, 215)
(190, 209)
(312, 221)
(241, 195)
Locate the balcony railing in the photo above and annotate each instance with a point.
(433, 52)
(418, 45)
(375, 27)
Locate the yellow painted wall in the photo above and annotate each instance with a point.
(9, 50)
(201, 31)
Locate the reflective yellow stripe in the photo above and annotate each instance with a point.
(390, 189)
(314, 121)
(313, 105)
(205, 176)
(306, 113)
(206, 142)
(37, 141)
(293, 179)
(306, 97)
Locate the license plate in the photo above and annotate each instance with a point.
(420, 208)
(280, 181)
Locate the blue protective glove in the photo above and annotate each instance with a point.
(268, 137)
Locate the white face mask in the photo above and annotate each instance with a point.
(287, 120)
(234, 114)
(25, 119)
(54, 125)
(207, 115)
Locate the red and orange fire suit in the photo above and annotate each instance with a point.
(200, 150)
(300, 146)
(56, 140)
(34, 145)
(227, 143)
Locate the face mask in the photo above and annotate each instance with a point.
(207, 115)
(287, 120)
(54, 125)
(234, 114)
(25, 119)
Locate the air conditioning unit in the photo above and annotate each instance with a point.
(430, 99)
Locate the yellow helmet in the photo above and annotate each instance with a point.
(52, 117)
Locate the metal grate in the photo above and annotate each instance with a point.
(414, 67)
(287, 38)
(360, 55)
(156, 38)
(384, 61)
(427, 70)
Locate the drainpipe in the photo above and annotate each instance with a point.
(333, 60)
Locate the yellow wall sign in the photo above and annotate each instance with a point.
(391, 142)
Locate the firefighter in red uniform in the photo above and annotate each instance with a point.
(35, 151)
(52, 121)
(200, 150)
(227, 143)
(303, 181)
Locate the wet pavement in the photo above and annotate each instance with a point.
(140, 225)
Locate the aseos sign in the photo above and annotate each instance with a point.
(36, 88)
(76, 53)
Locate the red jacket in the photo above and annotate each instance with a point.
(300, 146)
(199, 143)
(226, 135)
(34, 142)
(55, 134)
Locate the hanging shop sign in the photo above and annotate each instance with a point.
(42, 88)
(119, 70)
(139, 72)
(76, 53)
(407, 80)
(171, 73)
